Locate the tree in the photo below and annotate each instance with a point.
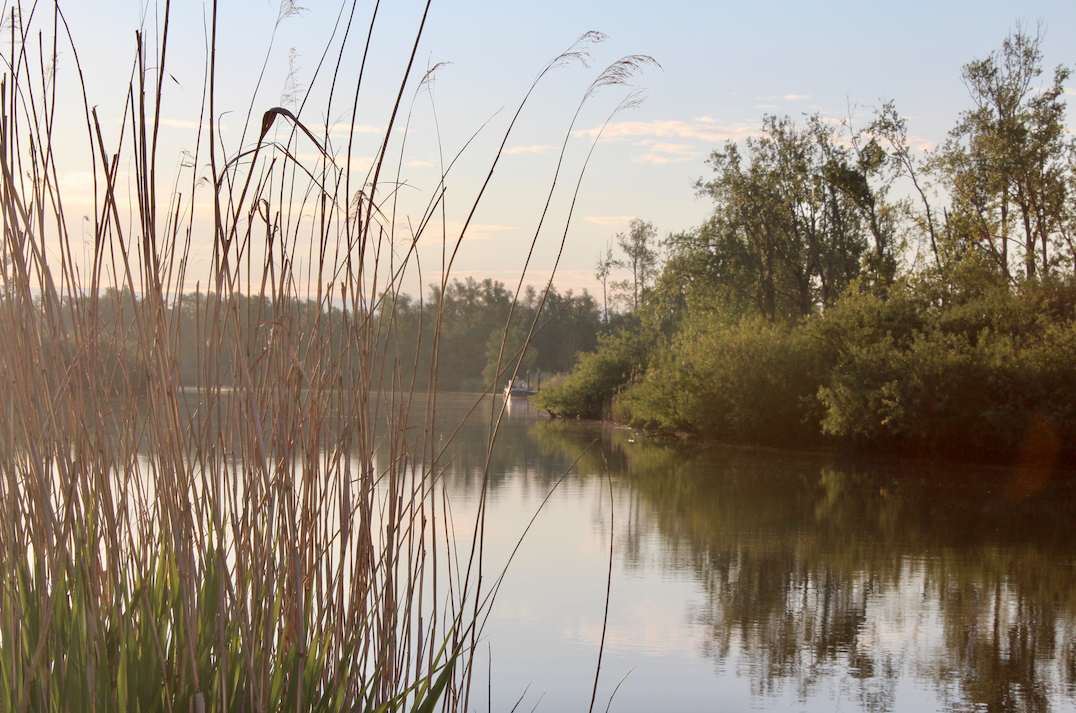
(639, 245)
(793, 217)
(1005, 162)
(602, 271)
(890, 129)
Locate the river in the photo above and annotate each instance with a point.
(749, 579)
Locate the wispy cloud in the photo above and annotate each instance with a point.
(515, 150)
(77, 188)
(358, 163)
(702, 131)
(563, 279)
(361, 129)
(660, 152)
(657, 159)
(795, 97)
(609, 219)
(416, 164)
(920, 143)
(705, 119)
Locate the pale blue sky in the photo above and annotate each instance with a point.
(724, 66)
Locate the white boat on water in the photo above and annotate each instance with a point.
(518, 389)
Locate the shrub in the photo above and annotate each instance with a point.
(973, 378)
(598, 376)
(748, 380)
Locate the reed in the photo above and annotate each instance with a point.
(268, 535)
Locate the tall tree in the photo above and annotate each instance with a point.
(792, 218)
(889, 131)
(1005, 162)
(640, 248)
(602, 271)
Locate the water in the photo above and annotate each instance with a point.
(747, 579)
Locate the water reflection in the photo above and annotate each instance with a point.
(814, 580)
(821, 573)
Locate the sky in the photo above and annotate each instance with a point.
(722, 67)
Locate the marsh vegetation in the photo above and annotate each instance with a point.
(227, 498)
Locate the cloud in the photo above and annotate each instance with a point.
(359, 129)
(658, 159)
(609, 219)
(795, 97)
(358, 163)
(702, 131)
(311, 159)
(77, 188)
(660, 152)
(917, 142)
(705, 119)
(528, 149)
(417, 164)
(576, 280)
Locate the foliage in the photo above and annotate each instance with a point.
(508, 353)
(135, 647)
(794, 215)
(254, 524)
(588, 391)
(467, 322)
(744, 380)
(639, 246)
(989, 375)
(602, 271)
(1006, 162)
(787, 316)
(470, 315)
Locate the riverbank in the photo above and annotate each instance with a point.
(989, 376)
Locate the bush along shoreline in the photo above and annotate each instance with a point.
(815, 307)
(991, 376)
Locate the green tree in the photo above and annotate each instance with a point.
(793, 216)
(1006, 162)
(505, 349)
(640, 248)
(602, 271)
(889, 131)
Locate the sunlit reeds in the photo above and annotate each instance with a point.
(266, 535)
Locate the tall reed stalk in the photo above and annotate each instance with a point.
(270, 537)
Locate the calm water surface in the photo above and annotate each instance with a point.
(765, 580)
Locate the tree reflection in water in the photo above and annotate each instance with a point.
(823, 572)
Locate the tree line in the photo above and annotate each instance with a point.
(850, 287)
(451, 339)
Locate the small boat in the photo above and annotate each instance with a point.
(518, 389)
